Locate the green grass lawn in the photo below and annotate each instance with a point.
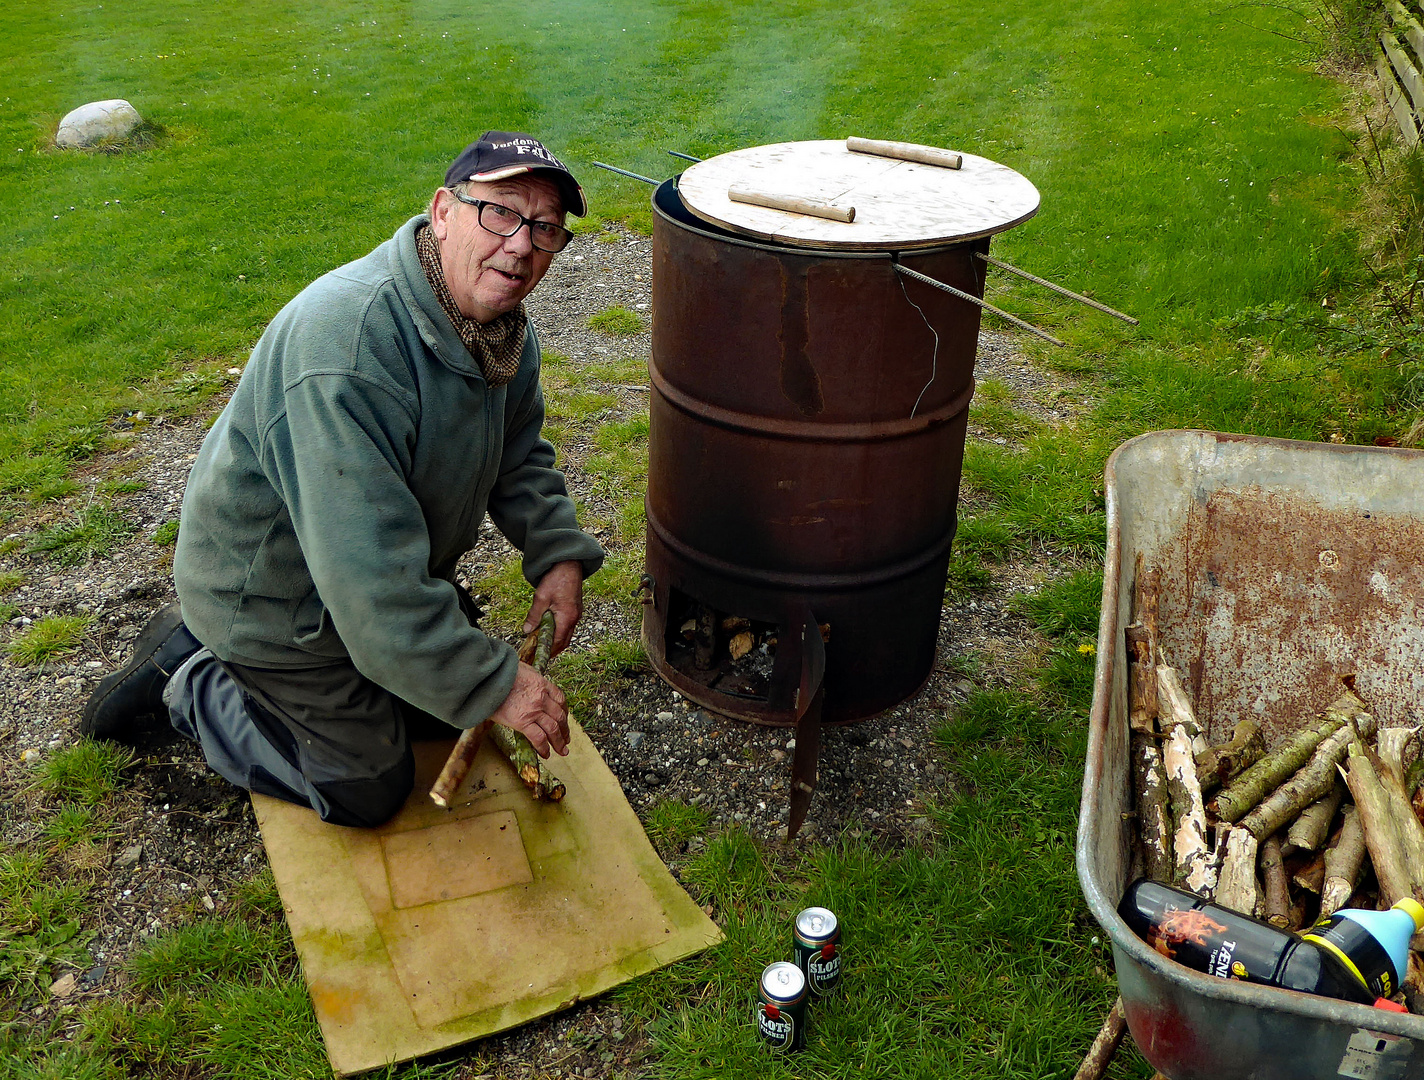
(1194, 172)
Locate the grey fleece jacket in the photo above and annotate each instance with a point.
(351, 469)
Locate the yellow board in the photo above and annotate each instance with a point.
(444, 926)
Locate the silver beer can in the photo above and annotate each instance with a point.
(817, 945)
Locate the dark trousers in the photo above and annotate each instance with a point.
(325, 737)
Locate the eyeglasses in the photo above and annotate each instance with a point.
(502, 221)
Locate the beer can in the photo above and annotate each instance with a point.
(781, 1006)
(817, 944)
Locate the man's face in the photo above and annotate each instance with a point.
(488, 274)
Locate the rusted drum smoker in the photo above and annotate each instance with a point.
(808, 412)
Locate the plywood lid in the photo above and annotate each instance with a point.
(899, 205)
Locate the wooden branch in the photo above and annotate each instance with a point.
(1153, 819)
(1276, 903)
(537, 648)
(1176, 709)
(1401, 812)
(1235, 800)
(1236, 886)
(1314, 781)
(527, 763)
(1194, 867)
(1381, 839)
(1142, 648)
(1313, 825)
(457, 765)
(1100, 1054)
(1392, 745)
(1414, 985)
(1311, 876)
(1344, 864)
(1222, 762)
(704, 638)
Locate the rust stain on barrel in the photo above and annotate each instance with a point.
(799, 381)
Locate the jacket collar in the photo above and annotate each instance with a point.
(414, 288)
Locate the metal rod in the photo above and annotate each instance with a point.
(902, 268)
(1056, 288)
(625, 172)
(685, 157)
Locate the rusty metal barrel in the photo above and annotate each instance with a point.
(807, 424)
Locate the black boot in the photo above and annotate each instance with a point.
(136, 690)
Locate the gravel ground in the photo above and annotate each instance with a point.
(185, 837)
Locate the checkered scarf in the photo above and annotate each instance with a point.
(497, 346)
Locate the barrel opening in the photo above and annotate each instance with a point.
(722, 651)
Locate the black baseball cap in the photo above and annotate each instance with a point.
(496, 155)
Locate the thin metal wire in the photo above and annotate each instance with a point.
(934, 356)
(685, 157)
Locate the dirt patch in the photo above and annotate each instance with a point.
(184, 838)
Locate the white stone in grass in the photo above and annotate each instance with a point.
(92, 123)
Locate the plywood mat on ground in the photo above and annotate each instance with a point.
(443, 926)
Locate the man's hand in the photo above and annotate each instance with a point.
(560, 591)
(536, 709)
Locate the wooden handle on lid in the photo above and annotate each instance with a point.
(906, 151)
(792, 204)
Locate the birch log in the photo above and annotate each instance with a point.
(1235, 800)
(1314, 781)
(1313, 826)
(1236, 886)
(1344, 864)
(1195, 869)
(1153, 819)
(1175, 709)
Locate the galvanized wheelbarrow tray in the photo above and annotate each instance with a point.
(1285, 565)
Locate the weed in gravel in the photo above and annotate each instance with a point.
(48, 638)
(95, 532)
(75, 826)
(1069, 606)
(8, 611)
(166, 535)
(120, 486)
(985, 537)
(48, 1056)
(618, 580)
(731, 871)
(619, 467)
(10, 545)
(257, 897)
(671, 823)
(506, 596)
(39, 924)
(966, 576)
(201, 953)
(10, 580)
(616, 321)
(587, 677)
(87, 773)
(992, 411)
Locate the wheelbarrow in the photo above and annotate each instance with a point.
(1285, 565)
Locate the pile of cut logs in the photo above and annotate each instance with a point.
(1328, 818)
